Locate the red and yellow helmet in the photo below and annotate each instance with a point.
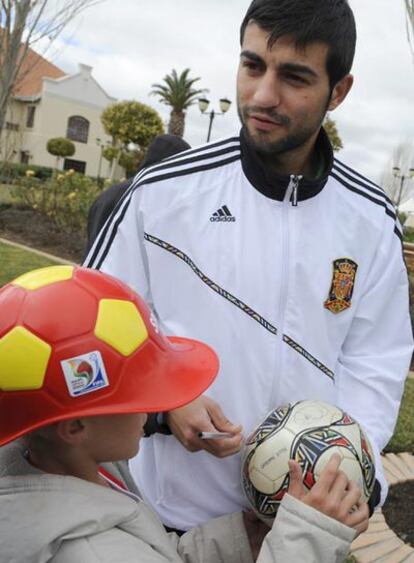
(77, 342)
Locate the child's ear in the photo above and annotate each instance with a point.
(72, 431)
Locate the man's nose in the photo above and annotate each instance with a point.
(267, 93)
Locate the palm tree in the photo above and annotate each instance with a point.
(177, 92)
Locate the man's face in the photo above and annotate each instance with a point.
(283, 93)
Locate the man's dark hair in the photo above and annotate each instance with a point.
(307, 21)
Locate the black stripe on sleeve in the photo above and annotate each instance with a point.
(365, 195)
(172, 162)
(113, 226)
(364, 184)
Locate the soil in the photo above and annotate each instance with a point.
(37, 231)
(399, 511)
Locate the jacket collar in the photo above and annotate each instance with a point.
(274, 185)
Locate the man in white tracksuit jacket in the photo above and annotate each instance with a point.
(285, 260)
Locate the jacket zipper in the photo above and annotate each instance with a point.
(294, 180)
(291, 196)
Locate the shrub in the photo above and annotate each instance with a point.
(66, 198)
(60, 147)
(10, 171)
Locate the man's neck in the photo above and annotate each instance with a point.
(303, 160)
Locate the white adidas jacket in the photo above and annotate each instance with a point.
(300, 286)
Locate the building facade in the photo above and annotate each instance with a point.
(48, 103)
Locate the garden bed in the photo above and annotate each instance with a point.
(33, 229)
(399, 511)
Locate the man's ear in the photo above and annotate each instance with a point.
(340, 91)
(72, 431)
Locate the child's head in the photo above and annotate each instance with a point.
(100, 438)
(78, 349)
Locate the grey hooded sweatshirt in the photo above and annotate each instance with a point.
(62, 519)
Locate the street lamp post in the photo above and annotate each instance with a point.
(101, 144)
(203, 104)
(396, 171)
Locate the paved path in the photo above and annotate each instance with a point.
(38, 252)
(379, 543)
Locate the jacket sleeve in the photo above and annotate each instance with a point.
(376, 354)
(221, 540)
(299, 533)
(119, 247)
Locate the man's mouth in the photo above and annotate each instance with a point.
(264, 122)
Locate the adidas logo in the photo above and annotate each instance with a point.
(222, 215)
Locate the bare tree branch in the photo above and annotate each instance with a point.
(409, 7)
(403, 158)
(24, 23)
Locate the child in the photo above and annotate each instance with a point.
(81, 362)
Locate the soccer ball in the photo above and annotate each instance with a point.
(308, 432)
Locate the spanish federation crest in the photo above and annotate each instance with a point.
(342, 288)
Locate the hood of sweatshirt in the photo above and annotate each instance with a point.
(39, 511)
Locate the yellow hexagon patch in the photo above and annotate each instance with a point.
(44, 276)
(23, 360)
(120, 325)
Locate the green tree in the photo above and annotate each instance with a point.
(129, 122)
(178, 92)
(131, 161)
(60, 148)
(332, 132)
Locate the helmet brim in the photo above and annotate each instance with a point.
(190, 366)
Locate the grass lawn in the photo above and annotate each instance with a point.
(403, 439)
(15, 261)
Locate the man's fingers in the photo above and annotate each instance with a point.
(223, 447)
(296, 488)
(220, 421)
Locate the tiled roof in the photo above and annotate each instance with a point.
(32, 72)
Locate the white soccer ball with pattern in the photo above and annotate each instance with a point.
(308, 432)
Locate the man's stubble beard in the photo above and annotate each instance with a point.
(288, 143)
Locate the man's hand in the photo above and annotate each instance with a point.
(333, 494)
(204, 415)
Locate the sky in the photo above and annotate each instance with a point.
(132, 44)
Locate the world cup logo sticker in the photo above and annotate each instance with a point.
(85, 374)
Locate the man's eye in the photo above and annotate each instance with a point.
(296, 78)
(250, 65)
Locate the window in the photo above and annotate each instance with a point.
(76, 165)
(12, 126)
(31, 110)
(78, 129)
